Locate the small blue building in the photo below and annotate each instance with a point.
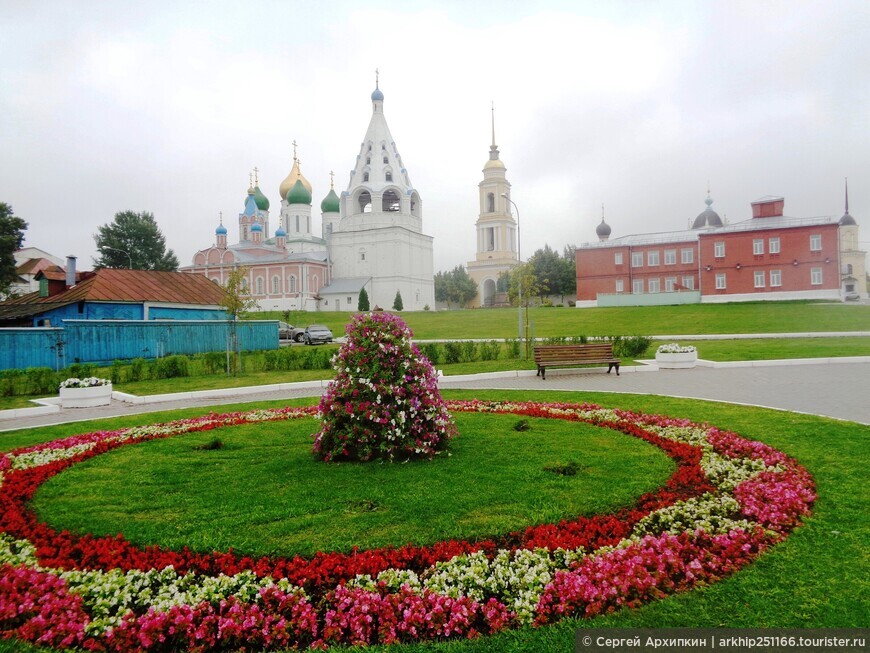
(112, 294)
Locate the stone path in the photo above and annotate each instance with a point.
(831, 388)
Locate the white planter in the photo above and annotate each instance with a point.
(99, 395)
(681, 361)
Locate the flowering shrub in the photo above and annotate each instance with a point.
(88, 382)
(384, 402)
(728, 500)
(674, 348)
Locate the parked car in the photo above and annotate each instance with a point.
(317, 333)
(290, 332)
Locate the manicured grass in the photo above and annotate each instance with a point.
(779, 348)
(738, 317)
(818, 577)
(264, 493)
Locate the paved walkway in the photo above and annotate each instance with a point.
(830, 388)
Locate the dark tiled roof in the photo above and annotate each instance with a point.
(131, 286)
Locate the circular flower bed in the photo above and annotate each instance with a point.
(728, 500)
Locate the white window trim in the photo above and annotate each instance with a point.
(719, 249)
(758, 278)
(721, 281)
(687, 255)
(775, 278)
(670, 257)
(757, 246)
(814, 274)
(770, 245)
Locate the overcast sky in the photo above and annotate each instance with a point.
(167, 106)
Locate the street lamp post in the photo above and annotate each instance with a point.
(519, 262)
(115, 249)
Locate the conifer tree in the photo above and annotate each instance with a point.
(397, 302)
(362, 304)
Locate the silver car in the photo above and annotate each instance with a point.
(290, 332)
(317, 334)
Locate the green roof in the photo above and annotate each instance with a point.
(261, 200)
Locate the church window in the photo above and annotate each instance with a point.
(391, 203)
(276, 285)
(314, 285)
(260, 286)
(349, 301)
(245, 285)
(368, 160)
(308, 224)
(389, 176)
(297, 224)
(848, 268)
(216, 280)
(370, 147)
(490, 203)
(362, 255)
(365, 176)
(291, 283)
(245, 232)
(365, 202)
(489, 239)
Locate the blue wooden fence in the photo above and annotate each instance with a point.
(102, 341)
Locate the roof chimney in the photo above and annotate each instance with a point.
(70, 271)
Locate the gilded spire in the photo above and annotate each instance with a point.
(493, 149)
(493, 124)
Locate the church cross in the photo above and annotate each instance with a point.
(294, 149)
(256, 176)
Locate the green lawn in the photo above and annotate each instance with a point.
(818, 577)
(738, 317)
(263, 493)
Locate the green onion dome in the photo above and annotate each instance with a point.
(330, 203)
(261, 200)
(299, 194)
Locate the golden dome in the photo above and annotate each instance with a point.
(493, 163)
(294, 176)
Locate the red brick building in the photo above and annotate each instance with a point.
(769, 256)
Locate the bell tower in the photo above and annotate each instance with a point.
(496, 231)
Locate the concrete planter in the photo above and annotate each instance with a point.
(98, 395)
(681, 361)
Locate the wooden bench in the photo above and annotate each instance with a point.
(568, 355)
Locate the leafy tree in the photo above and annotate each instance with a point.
(133, 240)
(362, 304)
(455, 286)
(237, 301)
(11, 237)
(397, 302)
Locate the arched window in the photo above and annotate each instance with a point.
(245, 285)
(365, 176)
(216, 280)
(297, 224)
(386, 159)
(291, 283)
(389, 175)
(276, 285)
(314, 286)
(260, 286)
(308, 223)
(391, 203)
(365, 202)
(848, 268)
(368, 160)
(490, 203)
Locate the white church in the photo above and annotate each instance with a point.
(371, 236)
